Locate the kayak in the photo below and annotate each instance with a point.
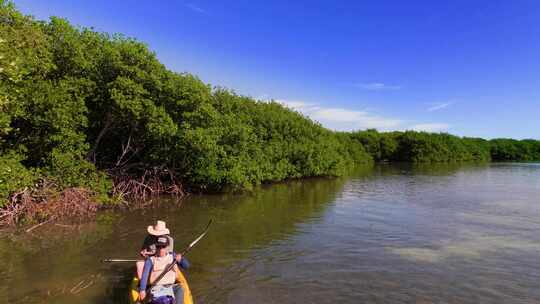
(180, 279)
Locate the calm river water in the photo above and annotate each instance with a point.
(391, 234)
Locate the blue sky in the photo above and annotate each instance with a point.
(471, 68)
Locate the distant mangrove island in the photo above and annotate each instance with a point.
(90, 119)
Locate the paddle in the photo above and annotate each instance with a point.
(118, 260)
(170, 266)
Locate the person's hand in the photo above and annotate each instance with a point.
(178, 257)
(142, 295)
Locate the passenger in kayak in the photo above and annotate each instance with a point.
(148, 248)
(165, 290)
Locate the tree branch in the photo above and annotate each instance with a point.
(91, 156)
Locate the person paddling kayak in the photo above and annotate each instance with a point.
(165, 291)
(148, 248)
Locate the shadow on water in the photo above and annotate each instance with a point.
(61, 263)
(56, 264)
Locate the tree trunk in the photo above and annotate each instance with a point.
(91, 156)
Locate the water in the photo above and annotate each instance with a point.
(393, 234)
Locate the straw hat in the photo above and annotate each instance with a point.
(160, 228)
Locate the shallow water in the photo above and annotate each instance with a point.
(393, 234)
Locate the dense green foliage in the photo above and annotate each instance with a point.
(78, 106)
(13, 175)
(422, 147)
(75, 103)
(515, 150)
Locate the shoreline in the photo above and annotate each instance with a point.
(59, 205)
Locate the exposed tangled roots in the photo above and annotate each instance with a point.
(18, 204)
(72, 202)
(45, 203)
(140, 188)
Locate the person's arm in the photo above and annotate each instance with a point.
(184, 263)
(145, 275)
(181, 261)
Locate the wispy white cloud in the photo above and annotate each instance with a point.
(342, 119)
(300, 106)
(377, 86)
(430, 127)
(436, 106)
(196, 8)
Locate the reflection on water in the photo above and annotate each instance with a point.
(395, 234)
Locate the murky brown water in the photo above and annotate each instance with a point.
(394, 234)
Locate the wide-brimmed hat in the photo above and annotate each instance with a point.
(160, 228)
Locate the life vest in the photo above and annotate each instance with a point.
(158, 266)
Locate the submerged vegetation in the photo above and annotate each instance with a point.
(98, 114)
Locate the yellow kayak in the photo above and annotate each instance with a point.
(180, 279)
